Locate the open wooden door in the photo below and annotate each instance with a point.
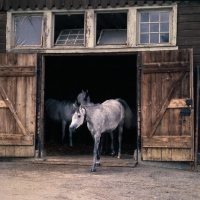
(17, 104)
(167, 114)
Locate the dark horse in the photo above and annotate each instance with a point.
(62, 111)
(103, 118)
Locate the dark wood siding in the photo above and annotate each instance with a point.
(2, 32)
(188, 33)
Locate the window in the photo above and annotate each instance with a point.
(28, 30)
(154, 27)
(111, 29)
(69, 30)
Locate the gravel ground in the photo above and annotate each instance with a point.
(28, 181)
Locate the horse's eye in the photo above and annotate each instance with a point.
(79, 116)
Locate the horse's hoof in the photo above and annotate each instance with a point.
(113, 154)
(93, 170)
(97, 164)
(118, 156)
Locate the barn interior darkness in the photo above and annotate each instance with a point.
(105, 77)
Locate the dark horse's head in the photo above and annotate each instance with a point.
(83, 98)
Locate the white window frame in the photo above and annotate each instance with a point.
(90, 20)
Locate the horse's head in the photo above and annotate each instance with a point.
(83, 98)
(77, 118)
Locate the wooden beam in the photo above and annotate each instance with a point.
(183, 142)
(165, 67)
(177, 103)
(16, 139)
(3, 104)
(17, 71)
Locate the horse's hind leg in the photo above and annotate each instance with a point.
(112, 144)
(120, 130)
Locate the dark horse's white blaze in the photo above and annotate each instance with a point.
(62, 111)
(102, 118)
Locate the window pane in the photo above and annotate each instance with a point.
(164, 37)
(109, 36)
(164, 27)
(154, 17)
(144, 17)
(28, 30)
(144, 28)
(164, 16)
(144, 38)
(154, 27)
(154, 38)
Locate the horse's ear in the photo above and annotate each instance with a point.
(83, 91)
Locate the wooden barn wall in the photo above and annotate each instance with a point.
(2, 32)
(188, 33)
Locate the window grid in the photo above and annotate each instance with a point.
(70, 37)
(159, 32)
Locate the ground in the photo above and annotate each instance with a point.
(24, 180)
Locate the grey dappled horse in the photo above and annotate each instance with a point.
(132, 128)
(62, 111)
(102, 118)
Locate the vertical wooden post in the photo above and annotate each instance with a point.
(196, 125)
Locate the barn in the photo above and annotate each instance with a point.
(146, 52)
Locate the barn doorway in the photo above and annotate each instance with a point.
(105, 77)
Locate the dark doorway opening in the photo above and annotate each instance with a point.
(105, 77)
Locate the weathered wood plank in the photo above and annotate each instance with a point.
(15, 114)
(165, 67)
(23, 4)
(76, 3)
(85, 3)
(7, 4)
(50, 4)
(40, 4)
(177, 103)
(17, 71)
(58, 4)
(167, 142)
(131, 2)
(15, 4)
(166, 103)
(3, 104)
(104, 3)
(32, 4)
(187, 25)
(67, 4)
(16, 139)
(122, 3)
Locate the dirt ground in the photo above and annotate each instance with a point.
(30, 180)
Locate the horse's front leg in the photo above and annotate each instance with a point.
(96, 156)
(112, 144)
(63, 131)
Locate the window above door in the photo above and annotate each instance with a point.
(130, 28)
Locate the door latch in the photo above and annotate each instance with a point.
(185, 112)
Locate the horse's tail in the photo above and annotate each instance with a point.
(128, 116)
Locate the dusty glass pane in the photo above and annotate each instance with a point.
(80, 37)
(154, 17)
(154, 27)
(28, 30)
(164, 27)
(63, 37)
(154, 38)
(144, 17)
(164, 16)
(164, 37)
(109, 36)
(144, 38)
(144, 28)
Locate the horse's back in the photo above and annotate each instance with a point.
(58, 110)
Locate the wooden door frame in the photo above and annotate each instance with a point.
(39, 144)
